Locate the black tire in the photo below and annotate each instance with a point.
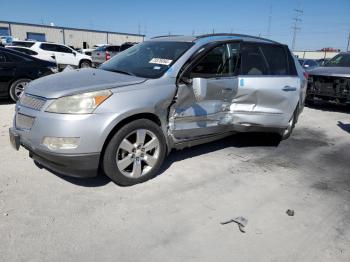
(84, 64)
(14, 88)
(109, 161)
(286, 133)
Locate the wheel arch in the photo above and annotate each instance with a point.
(146, 115)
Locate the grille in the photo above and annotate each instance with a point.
(32, 102)
(24, 122)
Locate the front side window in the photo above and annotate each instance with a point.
(220, 61)
(341, 60)
(150, 59)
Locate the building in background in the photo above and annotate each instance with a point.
(76, 37)
(315, 54)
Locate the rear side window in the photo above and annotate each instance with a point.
(63, 49)
(114, 48)
(21, 43)
(253, 61)
(16, 58)
(3, 58)
(48, 47)
(25, 51)
(276, 59)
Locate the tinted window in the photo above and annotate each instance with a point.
(114, 48)
(21, 43)
(253, 61)
(341, 60)
(24, 50)
(125, 46)
(310, 63)
(63, 49)
(16, 58)
(49, 47)
(149, 59)
(276, 59)
(3, 58)
(220, 61)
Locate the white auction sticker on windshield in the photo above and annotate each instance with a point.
(160, 61)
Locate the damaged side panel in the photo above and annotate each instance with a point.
(190, 118)
(265, 101)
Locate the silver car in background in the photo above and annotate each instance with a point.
(165, 93)
(104, 53)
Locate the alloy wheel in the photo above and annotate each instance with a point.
(138, 153)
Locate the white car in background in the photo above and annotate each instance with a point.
(64, 55)
(37, 54)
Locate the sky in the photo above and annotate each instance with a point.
(324, 23)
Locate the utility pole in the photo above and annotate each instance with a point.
(139, 28)
(347, 48)
(268, 33)
(295, 27)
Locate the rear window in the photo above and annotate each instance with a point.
(21, 43)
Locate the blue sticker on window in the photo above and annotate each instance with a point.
(241, 82)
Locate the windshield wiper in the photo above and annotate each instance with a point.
(121, 72)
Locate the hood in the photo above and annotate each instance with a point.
(331, 71)
(79, 81)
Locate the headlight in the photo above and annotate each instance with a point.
(79, 104)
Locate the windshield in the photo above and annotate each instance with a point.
(341, 60)
(148, 59)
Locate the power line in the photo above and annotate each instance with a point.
(295, 27)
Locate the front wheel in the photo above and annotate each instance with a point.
(17, 87)
(135, 153)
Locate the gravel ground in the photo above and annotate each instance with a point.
(177, 215)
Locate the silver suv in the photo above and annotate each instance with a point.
(165, 93)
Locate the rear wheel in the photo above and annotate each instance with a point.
(17, 87)
(291, 124)
(135, 153)
(85, 64)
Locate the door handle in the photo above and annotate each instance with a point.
(289, 88)
(228, 89)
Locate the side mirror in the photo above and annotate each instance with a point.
(199, 86)
(74, 53)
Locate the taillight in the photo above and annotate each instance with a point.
(306, 75)
(108, 55)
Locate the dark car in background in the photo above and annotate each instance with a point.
(18, 69)
(331, 82)
(106, 52)
(308, 64)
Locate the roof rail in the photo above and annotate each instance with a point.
(238, 35)
(161, 36)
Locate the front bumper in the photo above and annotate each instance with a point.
(75, 165)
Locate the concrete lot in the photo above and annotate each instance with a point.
(176, 216)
